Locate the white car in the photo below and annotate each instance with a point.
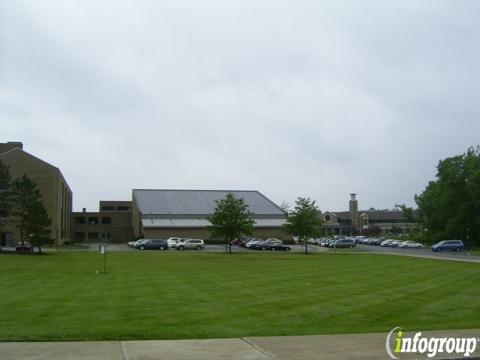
(253, 242)
(173, 242)
(273, 241)
(410, 244)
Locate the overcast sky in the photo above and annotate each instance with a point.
(292, 98)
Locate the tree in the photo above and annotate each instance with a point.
(450, 205)
(230, 220)
(408, 214)
(4, 193)
(29, 213)
(304, 221)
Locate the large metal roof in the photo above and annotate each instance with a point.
(195, 223)
(199, 202)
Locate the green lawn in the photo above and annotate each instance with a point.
(176, 295)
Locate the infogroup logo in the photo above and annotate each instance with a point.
(432, 346)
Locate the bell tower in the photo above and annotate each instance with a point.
(353, 206)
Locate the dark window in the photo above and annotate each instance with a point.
(92, 235)
(80, 220)
(79, 236)
(328, 218)
(108, 208)
(93, 220)
(3, 213)
(123, 208)
(106, 220)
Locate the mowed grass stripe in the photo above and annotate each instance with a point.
(173, 295)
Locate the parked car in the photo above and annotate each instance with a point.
(324, 242)
(343, 243)
(378, 241)
(236, 242)
(452, 245)
(173, 242)
(273, 241)
(24, 247)
(196, 244)
(386, 243)
(136, 242)
(259, 245)
(252, 242)
(411, 244)
(153, 244)
(278, 247)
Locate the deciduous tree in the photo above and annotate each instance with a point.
(304, 220)
(450, 205)
(230, 219)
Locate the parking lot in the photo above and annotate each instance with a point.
(208, 248)
(425, 252)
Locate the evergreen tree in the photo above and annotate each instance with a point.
(29, 213)
(4, 193)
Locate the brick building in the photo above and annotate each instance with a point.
(56, 194)
(112, 223)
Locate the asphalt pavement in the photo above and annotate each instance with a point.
(464, 256)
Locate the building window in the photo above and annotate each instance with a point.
(328, 218)
(93, 236)
(106, 220)
(79, 236)
(108, 208)
(80, 220)
(93, 220)
(123, 208)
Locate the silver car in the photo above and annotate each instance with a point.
(411, 244)
(196, 244)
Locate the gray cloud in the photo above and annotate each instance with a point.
(310, 98)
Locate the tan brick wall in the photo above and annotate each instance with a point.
(119, 230)
(136, 220)
(49, 179)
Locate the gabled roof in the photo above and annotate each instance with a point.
(21, 152)
(373, 214)
(199, 202)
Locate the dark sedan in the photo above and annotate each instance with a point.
(153, 244)
(24, 247)
(278, 247)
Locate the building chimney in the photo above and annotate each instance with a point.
(4, 147)
(84, 209)
(353, 206)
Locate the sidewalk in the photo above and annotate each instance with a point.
(322, 347)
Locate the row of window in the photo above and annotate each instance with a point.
(118, 208)
(92, 220)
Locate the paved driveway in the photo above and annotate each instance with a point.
(424, 253)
